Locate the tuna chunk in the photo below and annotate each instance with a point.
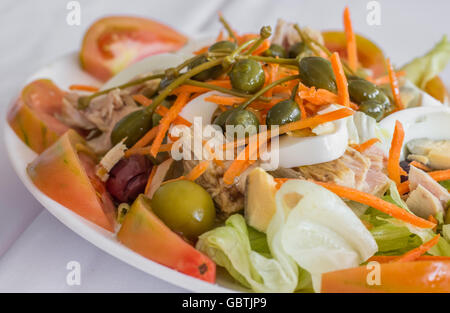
(418, 177)
(423, 203)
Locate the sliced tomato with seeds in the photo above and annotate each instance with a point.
(113, 43)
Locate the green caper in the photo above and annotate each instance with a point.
(286, 111)
(156, 117)
(317, 72)
(223, 46)
(297, 49)
(221, 119)
(132, 126)
(247, 119)
(372, 108)
(247, 75)
(184, 207)
(361, 90)
(275, 51)
(213, 72)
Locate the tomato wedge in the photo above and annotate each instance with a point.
(398, 277)
(66, 173)
(113, 43)
(369, 54)
(32, 115)
(143, 232)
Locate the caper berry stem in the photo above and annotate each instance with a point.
(188, 61)
(282, 61)
(228, 28)
(307, 40)
(265, 33)
(222, 89)
(266, 88)
(294, 92)
(180, 80)
(83, 102)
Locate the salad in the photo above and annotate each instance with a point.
(266, 154)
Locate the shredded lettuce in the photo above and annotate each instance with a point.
(422, 69)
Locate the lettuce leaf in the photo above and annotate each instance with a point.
(422, 69)
(229, 246)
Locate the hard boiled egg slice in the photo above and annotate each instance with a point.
(199, 107)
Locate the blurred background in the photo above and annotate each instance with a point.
(34, 246)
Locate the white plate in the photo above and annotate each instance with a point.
(64, 72)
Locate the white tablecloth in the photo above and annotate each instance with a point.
(34, 247)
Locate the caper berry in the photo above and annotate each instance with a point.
(317, 72)
(244, 118)
(132, 126)
(372, 108)
(297, 49)
(275, 51)
(223, 46)
(247, 76)
(286, 111)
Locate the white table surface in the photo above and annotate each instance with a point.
(35, 247)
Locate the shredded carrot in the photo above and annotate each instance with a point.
(145, 140)
(394, 86)
(413, 254)
(263, 47)
(377, 203)
(83, 88)
(436, 175)
(390, 258)
(301, 106)
(351, 41)
(385, 79)
(402, 171)
(150, 178)
(179, 120)
(366, 145)
(341, 80)
(198, 170)
(225, 100)
(273, 76)
(172, 180)
(432, 219)
(143, 100)
(225, 83)
(420, 165)
(393, 166)
(220, 36)
(320, 96)
(166, 120)
(240, 164)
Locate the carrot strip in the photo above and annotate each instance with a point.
(420, 165)
(224, 100)
(385, 79)
(320, 96)
(240, 164)
(162, 110)
(390, 258)
(413, 254)
(436, 175)
(145, 140)
(263, 47)
(402, 171)
(366, 145)
(150, 178)
(377, 203)
(143, 100)
(273, 76)
(341, 80)
(166, 120)
(394, 86)
(393, 166)
(198, 170)
(301, 106)
(194, 89)
(351, 41)
(83, 88)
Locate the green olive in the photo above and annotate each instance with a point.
(317, 72)
(223, 46)
(298, 48)
(373, 108)
(286, 111)
(156, 117)
(221, 119)
(247, 75)
(247, 119)
(211, 73)
(185, 207)
(132, 126)
(275, 51)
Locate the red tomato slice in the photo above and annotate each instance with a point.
(66, 173)
(113, 43)
(143, 232)
(398, 277)
(369, 54)
(32, 115)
